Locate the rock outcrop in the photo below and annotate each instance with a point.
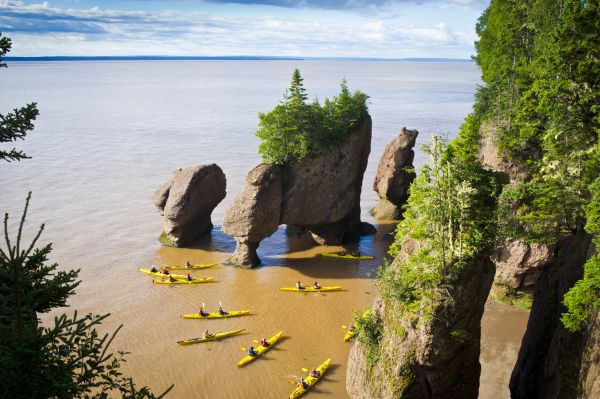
(550, 359)
(394, 175)
(317, 197)
(426, 356)
(518, 264)
(186, 202)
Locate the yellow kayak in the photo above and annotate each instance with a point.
(311, 380)
(194, 281)
(192, 267)
(216, 337)
(216, 315)
(311, 289)
(261, 349)
(159, 274)
(351, 333)
(347, 256)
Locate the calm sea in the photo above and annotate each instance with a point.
(109, 133)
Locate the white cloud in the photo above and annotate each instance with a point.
(40, 29)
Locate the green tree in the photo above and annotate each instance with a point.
(15, 125)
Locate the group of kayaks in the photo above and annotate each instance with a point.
(307, 382)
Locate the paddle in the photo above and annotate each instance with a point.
(344, 327)
(304, 369)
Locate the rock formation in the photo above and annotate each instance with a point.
(318, 196)
(394, 175)
(550, 358)
(426, 356)
(186, 202)
(518, 264)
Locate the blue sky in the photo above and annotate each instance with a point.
(306, 28)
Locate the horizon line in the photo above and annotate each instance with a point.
(222, 58)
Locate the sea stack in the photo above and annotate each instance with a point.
(395, 173)
(186, 202)
(318, 196)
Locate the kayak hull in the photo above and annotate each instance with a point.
(311, 380)
(311, 289)
(216, 315)
(216, 337)
(348, 256)
(194, 281)
(261, 349)
(159, 274)
(194, 267)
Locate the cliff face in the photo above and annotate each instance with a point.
(318, 196)
(422, 355)
(186, 202)
(518, 264)
(394, 175)
(550, 359)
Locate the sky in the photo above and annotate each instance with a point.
(305, 28)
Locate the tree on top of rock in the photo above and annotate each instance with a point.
(295, 129)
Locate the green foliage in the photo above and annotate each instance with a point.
(369, 330)
(14, 126)
(449, 219)
(295, 128)
(585, 294)
(67, 360)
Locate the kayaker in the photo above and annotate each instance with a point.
(342, 253)
(222, 312)
(303, 384)
(188, 265)
(165, 272)
(172, 279)
(202, 312)
(356, 253)
(208, 335)
(299, 285)
(264, 342)
(316, 286)
(188, 277)
(252, 352)
(153, 270)
(315, 373)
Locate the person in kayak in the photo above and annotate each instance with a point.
(153, 270)
(208, 335)
(356, 253)
(299, 285)
(316, 286)
(172, 279)
(222, 312)
(264, 342)
(202, 312)
(188, 277)
(165, 272)
(315, 373)
(252, 352)
(303, 384)
(342, 252)
(188, 265)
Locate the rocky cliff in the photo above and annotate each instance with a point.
(317, 196)
(550, 359)
(186, 202)
(394, 175)
(518, 264)
(432, 353)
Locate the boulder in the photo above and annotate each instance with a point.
(317, 197)
(518, 265)
(255, 213)
(394, 175)
(186, 202)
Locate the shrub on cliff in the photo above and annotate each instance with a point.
(296, 128)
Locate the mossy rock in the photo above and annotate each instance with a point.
(164, 240)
